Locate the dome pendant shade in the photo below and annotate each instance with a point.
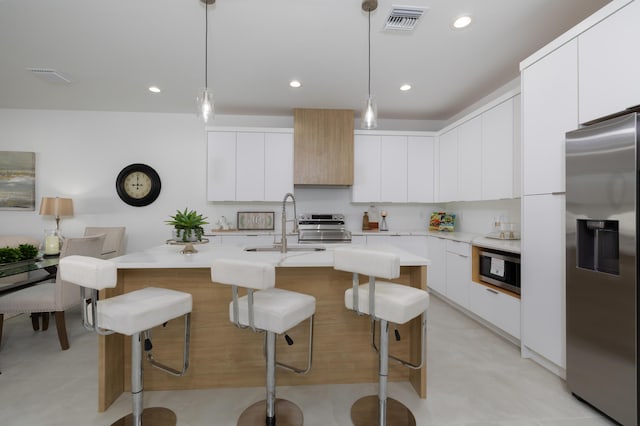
(204, 103)
(369, 114)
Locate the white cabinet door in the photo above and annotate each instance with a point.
(246, 240)
(497, 152)
(543, 276)
(499, 309)
(420, 169)
(448, 146)
(393, 169)
(221, 166)
(550, 109)
(436, 272)
(458, 272)
(366, 169)
(415, 244)
(278, 165)
(470, 160)
(250, 166)
(609, 64)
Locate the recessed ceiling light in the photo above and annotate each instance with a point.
(295, 83)
(405, 87)
(461, 22)
(154, 89)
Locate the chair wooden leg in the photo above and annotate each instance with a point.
(35, 321)
(45, 321)
(62, 330)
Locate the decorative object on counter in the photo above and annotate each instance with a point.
(188, 245)
(383, 223)
(369, 118)
(442, 221)
(373, 218)
(188, 225)
(505, 231)
(256, 221)
(365, 221)
(55, 206)
(204, 100)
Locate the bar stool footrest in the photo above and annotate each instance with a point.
(366, 412)
(154, 416)
(287, 414)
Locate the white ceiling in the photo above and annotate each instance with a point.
(114, 50)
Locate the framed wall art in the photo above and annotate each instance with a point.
(17, 180)
(258, 221)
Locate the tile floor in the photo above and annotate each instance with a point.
(475, 378)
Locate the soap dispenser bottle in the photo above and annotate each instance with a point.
(365, 222)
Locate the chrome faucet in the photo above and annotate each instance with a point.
(283, 240)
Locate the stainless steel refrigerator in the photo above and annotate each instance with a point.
(602, 265)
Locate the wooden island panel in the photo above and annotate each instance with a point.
(225, 356)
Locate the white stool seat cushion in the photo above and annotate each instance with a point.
(141, 310)
(395, 303)
(255, 275)
(275, 309)
(367, 262)
(88, 272)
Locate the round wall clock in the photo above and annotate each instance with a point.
(138, 185)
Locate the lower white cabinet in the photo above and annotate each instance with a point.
(248, 240)
(436, 272)
(499, 309)
(458, 271)
(415, 244)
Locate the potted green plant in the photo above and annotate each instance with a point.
(188, 225)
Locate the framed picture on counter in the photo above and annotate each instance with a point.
(256, 221)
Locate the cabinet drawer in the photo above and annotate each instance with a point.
(499, 309)
(457, 247)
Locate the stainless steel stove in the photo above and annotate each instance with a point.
(322, 228)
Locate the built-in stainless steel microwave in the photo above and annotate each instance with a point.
(501, 269)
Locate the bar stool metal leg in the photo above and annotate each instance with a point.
(154, 416)
(381, 410)
(272, 411)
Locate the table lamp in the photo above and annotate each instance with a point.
(55, 206)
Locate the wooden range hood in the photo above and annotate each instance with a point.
(323, 146)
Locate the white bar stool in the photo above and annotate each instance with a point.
(273, 311)
(385, 302)
(130, 314)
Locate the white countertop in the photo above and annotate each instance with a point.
(512, 246)
(169, 256)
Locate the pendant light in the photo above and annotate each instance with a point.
(369, 118)
(204, 100)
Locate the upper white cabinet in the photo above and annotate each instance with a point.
(469, 160)
(249, 166)
(609, 64)
(393, 168)
(501, 151)
(549, 110)
(448, 159)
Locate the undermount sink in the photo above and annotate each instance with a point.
(289, 248)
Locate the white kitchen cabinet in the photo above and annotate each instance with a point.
(499, 149)
(420, 169)
(609, 64)
(470, 160)
(448, 166)
(549, 110)
(278, 165)
(221, 166)
(497, 308)
(246, 240)
(393, 169)
(415, 244)
(436, 272)
(366, 169)
(249, 166)
(543, 276)
(458, 271)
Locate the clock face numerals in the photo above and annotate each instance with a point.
(138, 185)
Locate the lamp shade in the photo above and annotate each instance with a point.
(55, 206)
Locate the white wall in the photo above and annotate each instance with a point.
(79, 154)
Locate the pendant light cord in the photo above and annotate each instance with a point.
(369, 14)
(206, 39)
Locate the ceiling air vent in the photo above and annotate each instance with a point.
(50, 75)
(404, 18)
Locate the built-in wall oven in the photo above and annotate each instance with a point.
(501, 269)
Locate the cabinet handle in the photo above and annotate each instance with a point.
(490, 290)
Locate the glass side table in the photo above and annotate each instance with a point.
(36, 270)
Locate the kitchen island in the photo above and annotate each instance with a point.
(225, 356)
